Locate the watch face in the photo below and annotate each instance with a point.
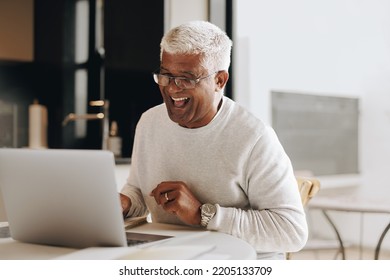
(208, 209)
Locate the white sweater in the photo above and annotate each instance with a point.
(235, 162)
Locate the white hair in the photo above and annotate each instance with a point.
(199, 37)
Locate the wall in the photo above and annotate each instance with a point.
(334, 47)
(180, 11)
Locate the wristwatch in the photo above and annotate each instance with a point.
(207, 212)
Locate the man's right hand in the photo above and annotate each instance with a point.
(126, 204)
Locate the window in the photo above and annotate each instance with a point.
(319, 133)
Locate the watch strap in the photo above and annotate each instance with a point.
(207, 212)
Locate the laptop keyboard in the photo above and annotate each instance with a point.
(132, 242)
(134, 238)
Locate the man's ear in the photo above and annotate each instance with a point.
(221, 79)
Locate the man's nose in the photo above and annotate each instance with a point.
(172, 87)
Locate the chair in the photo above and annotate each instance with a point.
(308, 187)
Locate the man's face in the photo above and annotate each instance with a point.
(195, 107)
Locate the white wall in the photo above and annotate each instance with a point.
(180, 11)
(332, 47)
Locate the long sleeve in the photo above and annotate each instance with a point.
(275, 221)
(235, 162)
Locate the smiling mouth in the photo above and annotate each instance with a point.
(180, 102)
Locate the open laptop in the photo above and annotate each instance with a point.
(63, 197)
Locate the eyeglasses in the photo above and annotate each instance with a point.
(180, 82)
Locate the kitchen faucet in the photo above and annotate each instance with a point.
(103, 116)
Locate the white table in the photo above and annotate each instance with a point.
(346, 202)
(188, 243)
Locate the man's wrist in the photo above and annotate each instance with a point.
(207, 212)
(126, 204)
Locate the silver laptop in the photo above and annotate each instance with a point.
(62, 197)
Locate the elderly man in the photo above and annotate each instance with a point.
(200, 159)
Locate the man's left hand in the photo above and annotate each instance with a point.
(175, 197)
